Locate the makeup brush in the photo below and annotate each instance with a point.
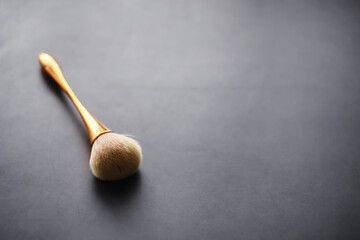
(113, 156)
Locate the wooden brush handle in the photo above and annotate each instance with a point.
(51, 67)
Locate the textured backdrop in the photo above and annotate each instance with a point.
(247, 112)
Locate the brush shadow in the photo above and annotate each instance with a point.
(117, 194)
(56, 90)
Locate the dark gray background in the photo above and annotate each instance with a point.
(247, 112)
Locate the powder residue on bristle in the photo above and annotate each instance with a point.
(115, 156)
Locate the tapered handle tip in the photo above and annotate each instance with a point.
(45, 59)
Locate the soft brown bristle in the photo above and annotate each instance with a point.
(114, 156)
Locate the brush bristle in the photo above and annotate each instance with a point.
(114, 156)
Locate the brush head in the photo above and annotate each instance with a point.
(114, 156)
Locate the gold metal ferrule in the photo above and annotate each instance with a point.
(93, 126)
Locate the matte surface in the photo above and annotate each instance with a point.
(247, 112)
